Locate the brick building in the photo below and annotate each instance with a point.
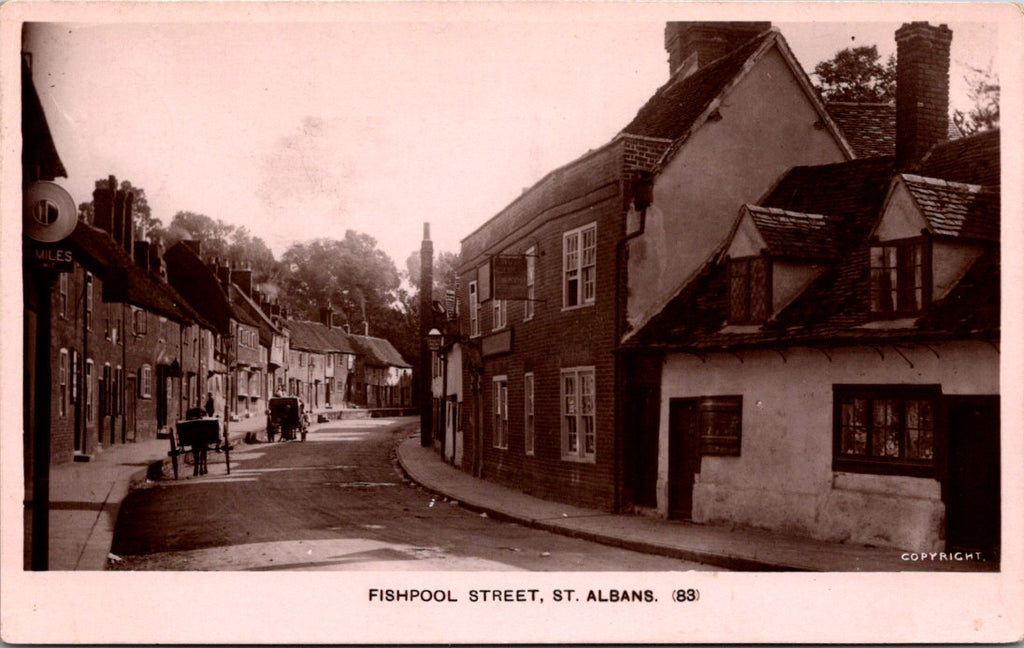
(542, 411)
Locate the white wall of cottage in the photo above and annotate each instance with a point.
(767, 126)
(783, 479)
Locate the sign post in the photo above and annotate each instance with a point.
(48, 217)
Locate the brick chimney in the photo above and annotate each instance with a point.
(243, 279)
(103, 205)
(922, 89)
(327, 317)
(128, 223)
(692, 45)
(142, 254)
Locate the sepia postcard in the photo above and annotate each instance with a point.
(511, 322)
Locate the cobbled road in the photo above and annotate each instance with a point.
(337, 501)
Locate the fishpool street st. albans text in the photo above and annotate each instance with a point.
(498, 595)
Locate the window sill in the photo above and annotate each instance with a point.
(592, 459)
(577, 306)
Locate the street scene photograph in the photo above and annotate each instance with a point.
(604, 307)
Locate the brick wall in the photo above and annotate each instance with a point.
(595, 189)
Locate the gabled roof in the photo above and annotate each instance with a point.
(974, 160)
(378, 352)
(671, 112)
(125, 281)
(795, 235)
(194, 280)
(954, 208)
(870, 128)
(834, 308)
(308, 336)
(254, 315)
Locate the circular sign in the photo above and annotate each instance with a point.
(49, 213)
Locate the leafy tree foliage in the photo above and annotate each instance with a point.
(230, 243)
(855, 74)
(351, 276)
(983, 91)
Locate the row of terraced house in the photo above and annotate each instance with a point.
(749, 307)
(139, 335)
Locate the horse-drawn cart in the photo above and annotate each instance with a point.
(198, 435)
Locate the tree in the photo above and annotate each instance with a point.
(983, 91)
(146, 225)
(855, 74)
(351, 276)
(445, 277)
(229, 243)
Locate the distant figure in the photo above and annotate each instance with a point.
(208, 407)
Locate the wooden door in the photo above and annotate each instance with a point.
(683, 456)
(972, 493)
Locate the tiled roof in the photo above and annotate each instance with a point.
(123, 280)
(194, 280)
(672, 110)
(974, 160)
(870, 128)
(378, 351)
(955, 208)
(308, 336)
(834, 308)
(795, 235)
(242, 304)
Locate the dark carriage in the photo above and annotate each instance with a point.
(286, 418)
(196, 436)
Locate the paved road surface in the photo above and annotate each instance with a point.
(337, 502)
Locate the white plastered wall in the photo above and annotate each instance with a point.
(783, 479)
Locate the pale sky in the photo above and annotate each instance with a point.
(300, 124)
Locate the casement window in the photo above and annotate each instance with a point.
(88, 391)
(500, 412)
(900, 277)
(500, 312)
(145, 381)
(531, 284)
(885, 429)
(302, 359)
(749, 290)
(62, 384)
(474, 310)
(531, 430)
(579, 438)
(138, 322)
(88, 300)
(62, 291)
(721, 425)
(579, 266)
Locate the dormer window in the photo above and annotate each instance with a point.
(749, 290)
(900, 277)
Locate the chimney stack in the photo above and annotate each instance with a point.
(128, 224)
(327, 317)
(243, 279)
(142, 254)
(692, 44)
(103, 205)
(922, 90)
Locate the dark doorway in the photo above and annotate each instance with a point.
(641, 434)
(683, 456)
(972, 492)
(130, 394)
(162, 394)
